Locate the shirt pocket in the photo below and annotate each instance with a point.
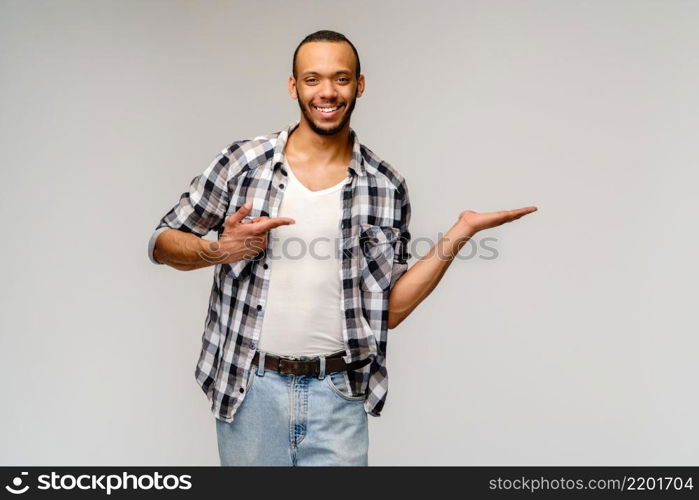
(239, 270)
(376, 248)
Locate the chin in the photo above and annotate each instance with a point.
(327, 131)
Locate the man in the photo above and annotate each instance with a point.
(294, 348)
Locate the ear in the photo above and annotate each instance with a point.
(292, 87)
(360, 85)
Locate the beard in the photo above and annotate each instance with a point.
(305, 110)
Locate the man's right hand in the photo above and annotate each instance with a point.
(241, 240)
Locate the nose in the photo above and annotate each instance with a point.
(327, 90)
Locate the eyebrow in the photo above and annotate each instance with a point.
(341, 72)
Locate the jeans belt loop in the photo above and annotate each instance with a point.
(321, 371)
(261, 363)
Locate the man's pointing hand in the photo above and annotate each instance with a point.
(242, 240)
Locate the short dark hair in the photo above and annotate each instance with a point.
(326, 36)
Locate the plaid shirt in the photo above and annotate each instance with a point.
(374, 246)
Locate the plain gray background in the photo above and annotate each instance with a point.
(577, 345)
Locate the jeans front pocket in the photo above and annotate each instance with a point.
(338, 384)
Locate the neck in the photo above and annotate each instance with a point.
(326, 149)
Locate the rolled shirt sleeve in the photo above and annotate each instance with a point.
(401, 248)
(202, 208)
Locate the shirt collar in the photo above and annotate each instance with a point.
(356, 164)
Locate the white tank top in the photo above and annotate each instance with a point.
(304, 311)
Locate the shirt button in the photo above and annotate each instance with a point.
(281, 186)
(241, 390)
(253, 345)
(265, 266)
(259, 307)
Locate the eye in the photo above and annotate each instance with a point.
(310, 81)
(343, 79)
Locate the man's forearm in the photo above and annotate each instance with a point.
(419, 281)
(181, 250)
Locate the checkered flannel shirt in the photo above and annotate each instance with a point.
(374, 254)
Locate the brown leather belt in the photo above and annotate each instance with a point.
(288, 366)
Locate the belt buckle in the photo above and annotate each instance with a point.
(280, 369)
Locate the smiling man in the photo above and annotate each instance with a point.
(293, 352)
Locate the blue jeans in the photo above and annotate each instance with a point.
(295, 420)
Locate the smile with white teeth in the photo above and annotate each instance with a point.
(326, 110)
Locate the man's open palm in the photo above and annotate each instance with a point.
(475, 221)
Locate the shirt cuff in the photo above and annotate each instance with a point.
(398, 270)
(151, 244)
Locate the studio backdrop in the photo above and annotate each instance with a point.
(567, 337)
